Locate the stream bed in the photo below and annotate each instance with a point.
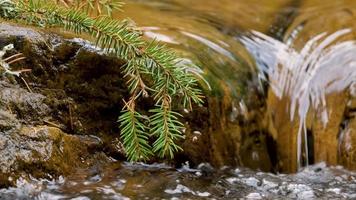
(160, 181)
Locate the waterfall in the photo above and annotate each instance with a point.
(307, 76)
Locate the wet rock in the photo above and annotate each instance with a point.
(41, 151)
(347, 145)
(21, 102)
(212, 136)
(75, 94)
(67, 92)
(254, 149)
(33, 120)
(206, 169)
(16, 32)
(38, 150)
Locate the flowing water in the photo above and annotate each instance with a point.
(308, 76)
(159, 181)
(303, 50)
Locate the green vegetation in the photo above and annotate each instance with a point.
(152, 70)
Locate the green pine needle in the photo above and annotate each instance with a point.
(134, 135)
(166, 127)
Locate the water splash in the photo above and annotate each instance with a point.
(307, 76)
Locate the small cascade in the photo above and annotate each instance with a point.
(305, 77)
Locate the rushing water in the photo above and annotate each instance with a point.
(296, 46)
(303, 49)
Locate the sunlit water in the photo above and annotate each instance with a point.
(286, 46)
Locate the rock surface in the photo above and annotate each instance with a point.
(33, 138)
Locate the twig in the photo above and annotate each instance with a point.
(28, 87)
(64, 3)
(70, 117)
(17, 59)
(11, 57)
(53, 124)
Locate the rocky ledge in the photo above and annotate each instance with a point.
(62, 114)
